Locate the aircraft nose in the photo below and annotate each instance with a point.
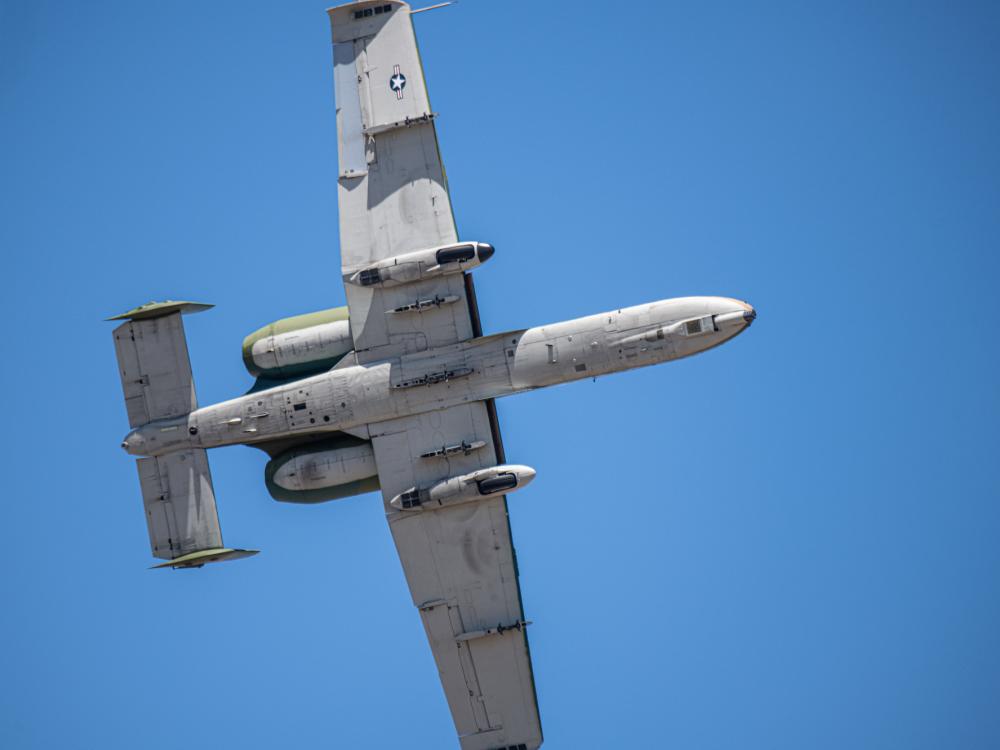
(750, 315)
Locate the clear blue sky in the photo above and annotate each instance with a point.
(788, 542)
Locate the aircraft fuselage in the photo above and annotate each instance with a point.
(348, 398)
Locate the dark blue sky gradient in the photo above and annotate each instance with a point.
(788, 542)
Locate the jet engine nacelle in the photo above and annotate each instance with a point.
(299, 346)
(326, 470)
(466, 488)
(423, 264)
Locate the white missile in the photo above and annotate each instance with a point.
(451, 450)
(466, 488)
(431, 303)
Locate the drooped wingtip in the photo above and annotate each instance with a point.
(201, 557)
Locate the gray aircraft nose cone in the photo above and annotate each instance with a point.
(485, 252)
(750, 316)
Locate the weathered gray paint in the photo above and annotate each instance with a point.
(501, 365)
(400, 396)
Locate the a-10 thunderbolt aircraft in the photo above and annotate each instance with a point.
(394, 392)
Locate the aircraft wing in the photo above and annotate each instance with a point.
(461, 569)
(393, 199)
(392, 191)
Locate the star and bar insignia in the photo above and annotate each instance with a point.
(398, 82)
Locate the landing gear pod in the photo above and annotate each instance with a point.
(423, 264)
(466, 488)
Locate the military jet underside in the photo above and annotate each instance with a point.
(394, 392)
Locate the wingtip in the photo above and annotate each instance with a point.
(202, 557)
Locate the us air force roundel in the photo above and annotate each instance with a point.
(398, 82)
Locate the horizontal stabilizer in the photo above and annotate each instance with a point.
(180, 510)
(159, 309)
(155, 369)
(197, 559)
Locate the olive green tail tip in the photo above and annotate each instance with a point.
(199, 558)
(159, 309)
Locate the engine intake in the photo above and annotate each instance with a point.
(299, 346)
